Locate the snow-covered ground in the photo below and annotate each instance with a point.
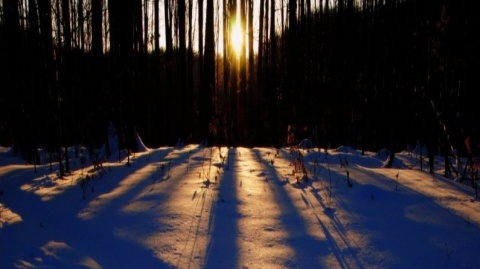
(210, 207)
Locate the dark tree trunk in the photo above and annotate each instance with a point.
(67, 33)
(272, 85)
(251, 58)
(252, 101)
(97, 75)
(190, 75)
(260, 52)
(80, 23)
(233, 127)
(66, 83)
(138, 27)
(182, 74)
(209, 75)
(200, 72)
(97, 21)
(168, 115)
(33, 56)
(145, 27)
(122, 30)
(45, 18)
(242, 102)
(226, 73)
(156, 31)
(11, 84)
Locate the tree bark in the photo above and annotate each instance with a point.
(182, 94)
(168, 116)
(80, 23)
(45, 18)
(156, 41)
(209, 75)
(242, 63)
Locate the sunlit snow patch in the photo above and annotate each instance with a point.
(64, 254)
(47, 187)
(8, 217)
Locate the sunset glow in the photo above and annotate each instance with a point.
(237, 37)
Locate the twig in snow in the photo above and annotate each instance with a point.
(448, 251)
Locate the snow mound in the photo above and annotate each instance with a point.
(141, 146)
(344, 149)
(384, 152)
(420, 150)
(305, 144)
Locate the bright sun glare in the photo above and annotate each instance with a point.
(237, 37)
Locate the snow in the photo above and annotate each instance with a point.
(208, 207)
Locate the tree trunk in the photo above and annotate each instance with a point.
(251, 58)
(97, 70)
(226, 72)
(44, 7)
(272, 87)
(156, 41)
(123, 41)
(97, 21)
(261, 18)
(200, 41)
(190, 75)
(168, 115)
(233, 128)
(252, 101)
(242, 102)
(138, 26)
(80, 23)
(11, 33)
(33, 56)
(145, 27)
(67, 33)
(209, 74)
(182, 73)
(66, 85)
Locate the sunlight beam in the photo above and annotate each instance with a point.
(236, 36)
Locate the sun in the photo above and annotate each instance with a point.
(236, 37)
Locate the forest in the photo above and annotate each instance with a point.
(364, 73)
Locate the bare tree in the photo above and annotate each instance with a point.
(189, 95)
(168, 77)
(226, 61)
(11, 33)
(66, 84)
(145, 26)
(97, 21)
(200, 43)
(138, 26)
(156, 8)
(181, 93)
(45, 18)
(242, 100)
(80, 23)
(232, 6)
(209, 74)
(260, 47)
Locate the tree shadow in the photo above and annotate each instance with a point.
(222, 250)
(309, 250)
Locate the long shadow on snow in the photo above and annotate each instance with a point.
(139, 225)
(312, 249)
(83, 236)
(107, 227)
(332, 178)
(222, 250)
(405, 225)
(122, 186)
